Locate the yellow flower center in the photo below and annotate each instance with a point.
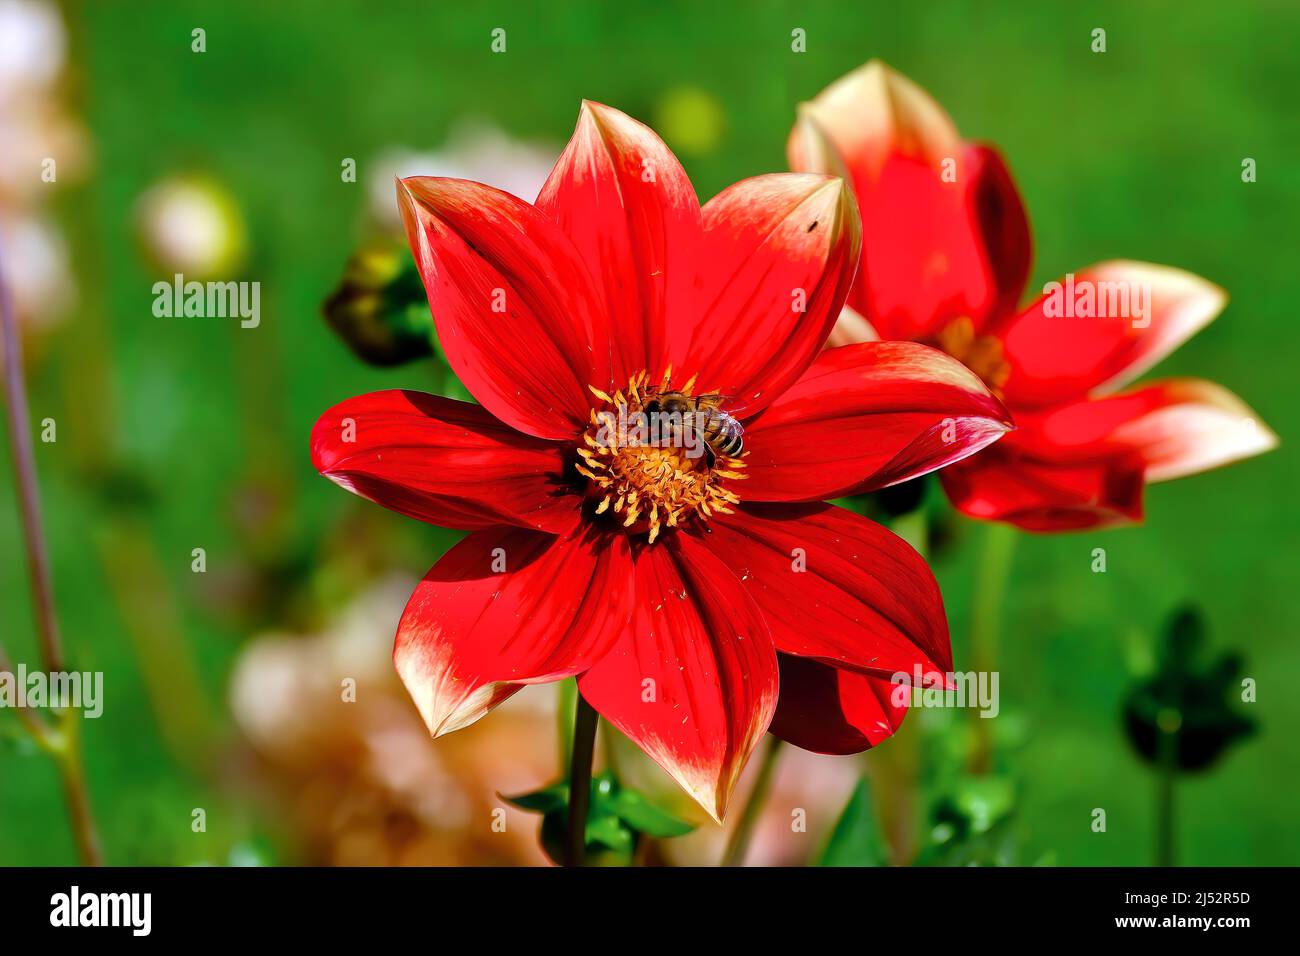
(658, 456)
(982, 354)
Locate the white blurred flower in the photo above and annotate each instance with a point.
(365, 785)
(35, 263)
(33, 47)
(193, 226)
(32, 131)
(281, 680)
(37, 137)
(475, 150)
(34, 126)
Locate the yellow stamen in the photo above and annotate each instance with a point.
(982, 354)
(652, 483)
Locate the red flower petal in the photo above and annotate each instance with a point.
(836, 587)
(873, 114)
(693, 681)
(1178, 427)
(445, 462)
(1005, 238)
(776, 263)
(944, 229)
(1002, 484)
(623, 198)
(866, 416)
(1059, 357)
(1187, 426)
(515, 307)
(934, 251)
(829, 710)
(473, 635)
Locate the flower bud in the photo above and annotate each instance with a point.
(379, 308)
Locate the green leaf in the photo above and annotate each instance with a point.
(615, 819)
(984, 801)
(549, 798)
(609, 831)
(644, 817)
(856, 839)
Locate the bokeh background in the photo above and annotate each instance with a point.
(182, 433)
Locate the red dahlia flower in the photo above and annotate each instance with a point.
(681, 589)
(945, 258)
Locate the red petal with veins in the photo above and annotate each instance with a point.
(474, 634)
(866, 416)
(516, 309)
(836, 587)
(775, 264)
(693, 680)
(626, 203)
(445, 462)
(944, 228)
(1148, 311)
(829, 710)
(1003, 484)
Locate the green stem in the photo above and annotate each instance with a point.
(1167, 774)
(738, 845)
(73, 777)
(894, 769)
(991, 576)
(566, 702)
(584, 748)
(35, 723)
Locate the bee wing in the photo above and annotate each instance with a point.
(716, 401)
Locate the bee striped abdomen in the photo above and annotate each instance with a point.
(725, 434)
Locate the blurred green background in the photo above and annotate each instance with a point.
(175, 434)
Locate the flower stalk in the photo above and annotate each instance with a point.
(893, 769)
(63, 741)
(738, 845)
(585, 720)
(992, 573)
(1166, 775)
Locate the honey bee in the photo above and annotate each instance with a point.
(720, 432)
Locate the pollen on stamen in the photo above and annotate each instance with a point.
(655, 469)
(982, 354)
